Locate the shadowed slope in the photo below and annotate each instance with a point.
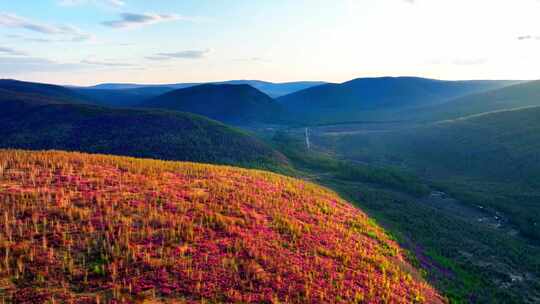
(351, 100)
(516, 96)
(236, 104)
(143, 133)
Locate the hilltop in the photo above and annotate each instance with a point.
(84, 228)
(235, 104)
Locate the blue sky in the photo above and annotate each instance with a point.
(165, 41)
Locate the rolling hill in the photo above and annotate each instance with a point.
(144, 133)
(520, 95)
(235, 104)
(270, 88)
(38, 92)
(358, 98)
(80, 228)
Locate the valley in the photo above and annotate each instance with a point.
(475, 253)
(466, 226)
(270, 152)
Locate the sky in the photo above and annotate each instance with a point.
(84, 42)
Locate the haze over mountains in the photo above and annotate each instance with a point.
(272, 89)
(385, 98)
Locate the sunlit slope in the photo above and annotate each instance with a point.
(81, 228)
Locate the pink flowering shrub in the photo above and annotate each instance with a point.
(78, 228)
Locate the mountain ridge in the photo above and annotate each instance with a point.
(355, 98)
(229, 103)
(273, 89)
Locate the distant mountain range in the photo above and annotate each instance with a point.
(245, 102)
(271, 89)
(350, 100)
(230, 103)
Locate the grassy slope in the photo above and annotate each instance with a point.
(142, 133)
(78, 228)
(469, 261)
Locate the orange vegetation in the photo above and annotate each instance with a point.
(78, 228)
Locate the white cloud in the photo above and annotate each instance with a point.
(114, 3)
(14, 21)
(528, 37)
(130, 20)
(106, 63)
(187, 54)
(10, 51)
